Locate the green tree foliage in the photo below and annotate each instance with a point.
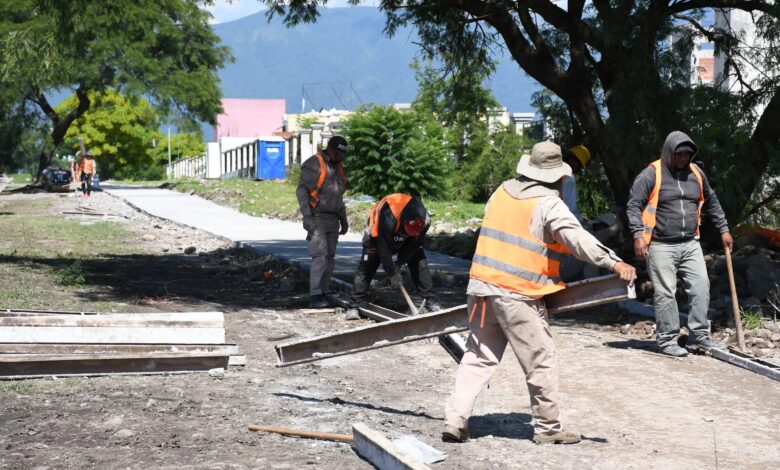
(394, 152)
(162, 49)
(610, 65)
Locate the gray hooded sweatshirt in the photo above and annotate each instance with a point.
(678, 199)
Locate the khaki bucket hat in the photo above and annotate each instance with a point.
(544, 164)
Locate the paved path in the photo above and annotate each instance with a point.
(278, 237)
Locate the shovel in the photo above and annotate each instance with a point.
(412, 308)
(734, 303)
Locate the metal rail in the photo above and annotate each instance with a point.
(750, 363)
(583, 294)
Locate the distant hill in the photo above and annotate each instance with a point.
(345, 46)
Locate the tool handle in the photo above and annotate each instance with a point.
(307, 434)
(734, 302)
(409, 301)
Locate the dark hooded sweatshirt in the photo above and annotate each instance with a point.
(390, 241)
(678, 199)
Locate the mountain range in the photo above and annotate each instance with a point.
(342, 60)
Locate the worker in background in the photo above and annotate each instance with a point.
(526, 230)
(397, 225)
(320, 195)
(577, 157)
(86, 170)
(664, 214)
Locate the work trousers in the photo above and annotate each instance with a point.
(322, 249)
(664, 261)
(369, 263)
(522, 324)
(86, 183)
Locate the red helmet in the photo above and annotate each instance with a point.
(414, 227)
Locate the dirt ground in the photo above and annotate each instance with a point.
(636, 409)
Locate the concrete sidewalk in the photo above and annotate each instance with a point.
(266, 236)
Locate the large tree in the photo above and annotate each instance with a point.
(607, 61)
(164, 50)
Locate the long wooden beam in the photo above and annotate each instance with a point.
(588, 293)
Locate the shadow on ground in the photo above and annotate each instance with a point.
(232, 279)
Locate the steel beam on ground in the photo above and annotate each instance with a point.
(381, 452)
(114, 348)
(746, 362)
(381, 335)
(137, 320)
(6, 312)
(588, 293)
(56, 334)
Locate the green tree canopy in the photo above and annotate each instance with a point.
(164, 50)
(610, 65)
(395, 152)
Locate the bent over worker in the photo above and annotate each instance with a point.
(320, 195)
(526, 231)
(664, 214)
(397, 224)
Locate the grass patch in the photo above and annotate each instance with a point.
(30, 387)
(24, 178)
(751, 319)
(275, 199)
(71, 275)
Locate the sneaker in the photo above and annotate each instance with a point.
(454, 434)
(318, 301)
(353, 313)
(704, 344)
(560, 437)
(674, 351)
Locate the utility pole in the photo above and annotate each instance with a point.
(170, 170)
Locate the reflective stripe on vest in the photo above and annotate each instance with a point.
(509, 255)
(314, 199)
(648, 214)
(397, 202)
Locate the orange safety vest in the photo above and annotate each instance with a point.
(313, 194)
(648, 215)
(87, 165)
(509, 255)
(397, 202)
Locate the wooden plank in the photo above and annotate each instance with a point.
(85, 364)
(380, 451)
(140, 320)
(115, 348)
(34, 334)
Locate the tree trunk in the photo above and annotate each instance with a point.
(59, 125)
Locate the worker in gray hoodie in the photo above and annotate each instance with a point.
(320, 195)
(664, 214)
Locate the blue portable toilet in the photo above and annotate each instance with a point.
(270, 158)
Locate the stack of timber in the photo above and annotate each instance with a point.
(42, 343)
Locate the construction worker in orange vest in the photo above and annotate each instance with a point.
(87, 169)
(526, 231)
(665, 207)
(320, 195)
(397, 225)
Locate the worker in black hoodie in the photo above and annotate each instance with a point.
(396, 226)
(664, 214)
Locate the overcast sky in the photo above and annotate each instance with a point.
(224, 11)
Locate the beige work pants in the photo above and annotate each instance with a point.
(524, 326)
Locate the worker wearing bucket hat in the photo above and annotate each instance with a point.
(526, 230)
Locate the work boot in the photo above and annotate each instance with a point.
(674, 351)
(454, 434)
(560, 437)
(704, 344)
(431, 305)
(318, 301)
(353, 313)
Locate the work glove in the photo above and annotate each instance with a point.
(344, 225)
(396, 280)
(308, 223)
